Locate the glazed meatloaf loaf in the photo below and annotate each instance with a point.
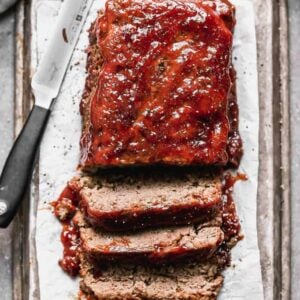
(158, 85)
(153, 246)
(130, 200)
(198, 281)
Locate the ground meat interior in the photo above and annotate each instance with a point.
(160, 89)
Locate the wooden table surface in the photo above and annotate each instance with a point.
(279, 195)
(7, 44)
(294, 26)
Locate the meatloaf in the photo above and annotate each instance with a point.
(154, 246)
(131, 199)
(158, 84)
(198, 281)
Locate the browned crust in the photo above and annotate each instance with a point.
(93, 67)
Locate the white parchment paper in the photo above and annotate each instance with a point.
(60, 154)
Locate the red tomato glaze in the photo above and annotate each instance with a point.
(231, 224)
(162, 91)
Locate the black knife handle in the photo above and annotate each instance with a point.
(18, 168)
(5, 5)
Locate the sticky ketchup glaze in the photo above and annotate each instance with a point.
(234, 142)
(70, 239)
(64, 209)
(65, 206)
(162, 91)
(231, 224)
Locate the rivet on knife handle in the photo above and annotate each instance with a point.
(18, 168)
(46, 83)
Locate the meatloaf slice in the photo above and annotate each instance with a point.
(158, 84)
(198, 281)
(155, 246)
(129, 200)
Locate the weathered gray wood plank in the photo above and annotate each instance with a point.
(264, 25)
(7, 45)
(294, 31)
(274, 175)
(285, 159)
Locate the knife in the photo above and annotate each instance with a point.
(46, 83)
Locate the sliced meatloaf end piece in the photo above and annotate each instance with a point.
(134, 200)
(199, 281)
(154, 246)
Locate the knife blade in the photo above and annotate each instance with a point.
(47, 80)
(46, 84)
